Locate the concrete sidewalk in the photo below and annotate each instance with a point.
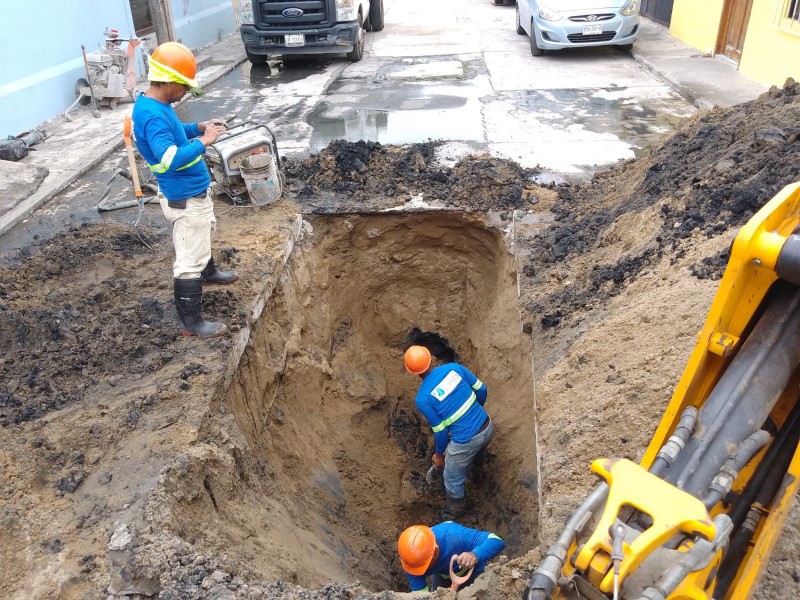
(74, 148)
(704, 81)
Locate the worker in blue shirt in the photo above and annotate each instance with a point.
(174, 151)
(427, 552)
(451, 398)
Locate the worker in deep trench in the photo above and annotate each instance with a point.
(451, 398)
(174, 151)
(428, 551)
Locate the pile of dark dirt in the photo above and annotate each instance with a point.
(709, 177)
(62, 332)
(362, 170)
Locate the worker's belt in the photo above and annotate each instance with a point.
(483, 428)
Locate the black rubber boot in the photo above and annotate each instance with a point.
(455, 507)
(189, 303)
(214, 276)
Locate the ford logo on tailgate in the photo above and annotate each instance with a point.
(292, 12)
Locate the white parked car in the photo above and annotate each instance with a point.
(559, 24)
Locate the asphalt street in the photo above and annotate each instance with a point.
(451, 70)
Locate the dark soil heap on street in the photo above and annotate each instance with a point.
(356, 172)
(102, 405)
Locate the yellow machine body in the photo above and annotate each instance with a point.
(751, 272)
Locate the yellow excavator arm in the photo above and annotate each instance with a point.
(698, 518)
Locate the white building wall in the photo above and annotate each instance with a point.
(40, 48)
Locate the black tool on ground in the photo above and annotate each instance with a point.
(15, 148)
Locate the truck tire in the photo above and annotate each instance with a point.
(256, 59)
(376, 15)
(357, 53)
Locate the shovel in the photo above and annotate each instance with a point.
(431, 475)
(456, 581)
(137, 188)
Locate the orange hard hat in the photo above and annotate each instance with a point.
(416, 547)
(173, 62)
(418, 359)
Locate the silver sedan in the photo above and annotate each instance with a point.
(559, 24)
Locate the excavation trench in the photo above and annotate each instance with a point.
(329, 452)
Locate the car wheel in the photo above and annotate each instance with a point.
(520, 30)
(535, 50)
(626, 47)
(256, 59)
(357, 53)
(498, 2)
(376, 15)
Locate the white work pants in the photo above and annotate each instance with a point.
(192, 230)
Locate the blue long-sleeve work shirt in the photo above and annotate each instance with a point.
(451, 398)
(453, 539)
(170, 148)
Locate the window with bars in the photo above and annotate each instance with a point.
(142, 20)
(793, 11)
(787, 16)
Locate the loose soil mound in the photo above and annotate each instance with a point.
(357, 172)
(708, 178)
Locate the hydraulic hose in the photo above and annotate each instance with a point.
(676, 442)
(745, 393)
(759, 494)
(777, 457)
(545, 578)
(723, 482)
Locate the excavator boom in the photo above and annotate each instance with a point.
(698, 518)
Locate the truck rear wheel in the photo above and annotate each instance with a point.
(376, 15)
(357, 53)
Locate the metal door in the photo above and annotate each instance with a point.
(659, 11)
(733, 28)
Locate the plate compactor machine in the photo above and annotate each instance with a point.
(698, 518)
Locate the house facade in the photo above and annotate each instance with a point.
(41, 64)
(761, 36)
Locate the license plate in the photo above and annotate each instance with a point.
(296, 40)
(595, 29)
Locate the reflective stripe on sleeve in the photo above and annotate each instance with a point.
(194, 162)
(456, 415)
(497, 537)
(166, 160)
(477, 385)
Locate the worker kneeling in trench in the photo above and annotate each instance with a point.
(450, 554)
(451, 398)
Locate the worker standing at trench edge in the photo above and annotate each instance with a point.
(427, 552)
(174, 151)
(451, 398)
